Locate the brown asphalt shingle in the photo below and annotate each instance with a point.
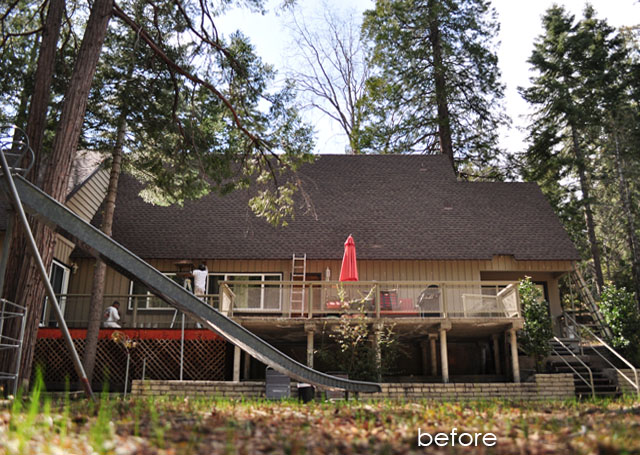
(396, 207)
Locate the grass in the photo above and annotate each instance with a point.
(41, 423)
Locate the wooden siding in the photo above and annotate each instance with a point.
(62, 250)
(86, 201)
(508, 263)
(503, 268)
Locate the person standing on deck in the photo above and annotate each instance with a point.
(200, 279)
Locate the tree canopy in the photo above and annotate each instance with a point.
(436, 85)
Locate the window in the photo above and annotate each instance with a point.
(249, 297)
(145, 299)
(59, 278)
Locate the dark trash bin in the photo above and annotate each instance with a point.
(306, 392)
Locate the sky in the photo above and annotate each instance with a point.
(520, 24)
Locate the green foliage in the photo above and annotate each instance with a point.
(620, 312)
(101, 432)
(583, 135)
(356, 339)
(207, 121)
(537, 331)
(403, 87)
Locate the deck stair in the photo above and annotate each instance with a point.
(603, 386)
(298, 273)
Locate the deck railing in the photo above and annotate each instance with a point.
(375, 299)
(425, 299)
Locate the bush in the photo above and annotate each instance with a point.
(620, 312)
(355, 337)
(534, 337)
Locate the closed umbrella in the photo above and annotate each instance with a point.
(349, 270)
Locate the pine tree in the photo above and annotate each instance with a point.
(570, 60)
(436, 86)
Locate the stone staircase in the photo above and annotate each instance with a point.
(603, 385)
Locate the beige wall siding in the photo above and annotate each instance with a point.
(508, 263)
(62, 250)
(499, 269)
(86, 201)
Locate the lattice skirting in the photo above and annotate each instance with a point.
(203, 360)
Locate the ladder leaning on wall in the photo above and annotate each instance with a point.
(298, 273)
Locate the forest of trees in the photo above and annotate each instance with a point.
(162, 94)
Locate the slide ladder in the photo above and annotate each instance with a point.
(41, 204)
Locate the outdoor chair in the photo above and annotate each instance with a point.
(429, 302)
(388, 300)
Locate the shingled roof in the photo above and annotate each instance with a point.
(396, 207)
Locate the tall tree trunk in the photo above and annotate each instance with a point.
(35, 128)
(37, 121)
(588, 212)
(625, 198)
(100, 270)
(27, 288)
(444, 119)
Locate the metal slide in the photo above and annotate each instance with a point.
(38, 202)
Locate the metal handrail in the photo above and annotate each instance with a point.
(635, 384)
(590, 383)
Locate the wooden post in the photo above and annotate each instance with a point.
(376, 299)
(514, 356)
(376, 345)
(424, 351)
(246, 368)
(135, 312)
(496, 353)
(236, 363)
(310, 329)
(444, 357)
(310, 301)
(434, 355)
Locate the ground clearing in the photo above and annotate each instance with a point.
(164, 425)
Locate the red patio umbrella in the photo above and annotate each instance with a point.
(349, 270)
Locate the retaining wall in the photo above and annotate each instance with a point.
(623, 384)
(545, 387)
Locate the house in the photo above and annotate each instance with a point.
(437, 260)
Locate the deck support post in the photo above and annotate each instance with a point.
(246, 368)
(496, 353)
(377, 334)
(433, 337)
(444, 356)
(514, 355)
(424, 355)
(236, 363)
(310, 329)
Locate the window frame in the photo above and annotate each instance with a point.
(149, 297)
(262, 308)
(66, 276)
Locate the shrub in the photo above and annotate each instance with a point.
(620, 312)
(356, 349)
(534, 337)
